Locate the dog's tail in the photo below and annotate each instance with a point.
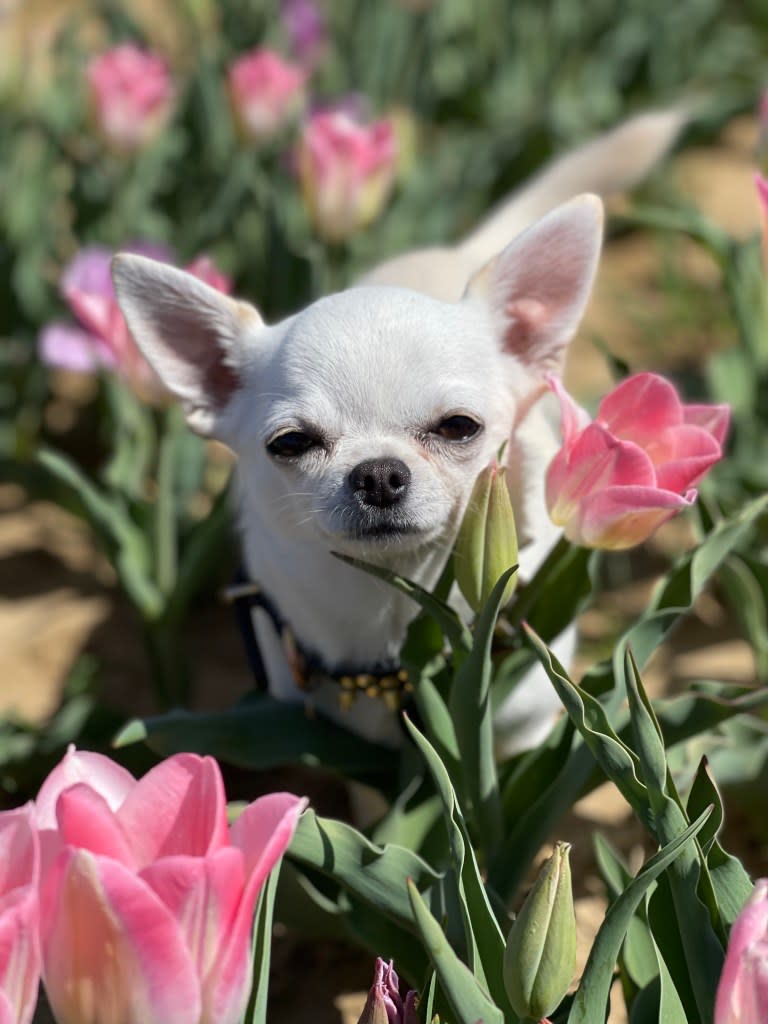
(613, 162)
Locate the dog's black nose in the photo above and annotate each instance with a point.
(380, 482)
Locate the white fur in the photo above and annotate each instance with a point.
(373, 370)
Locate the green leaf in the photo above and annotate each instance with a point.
(453, 628)
(376, 875)
(731, 882)
(124, 540)
(262, 949)
(467, 999)
(617, 760)
(483, 936)
(671, 1009)
(471, 711)
(261, 732)
(591, 997)
(749, 603)
(637, 955)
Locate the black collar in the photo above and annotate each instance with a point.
(389, 682)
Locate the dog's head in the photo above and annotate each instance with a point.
(365, 419)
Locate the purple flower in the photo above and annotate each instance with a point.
(384, 1005)
(305, 26)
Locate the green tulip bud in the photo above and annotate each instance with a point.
(540, 957)
(487, 542)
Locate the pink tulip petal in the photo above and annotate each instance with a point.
(596, 460)
(89, 271)
(86, 821)
(640, 408)
(101, 773)
(179, 807)
(19, 858)
(7, 1012)
(689, 452)
(112, 951)
(70, 348)
(715, 419)
(204, 896)
(572, 417)
(622, 517)
(19, 953)
(263, 832)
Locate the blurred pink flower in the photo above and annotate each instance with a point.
(19, 916)
(133, 95)
(617, 479)
(305, 26)
(742, 995)
(346, 171)
(384, 1005)
(103, 340)
(267, 92)
(147, 895)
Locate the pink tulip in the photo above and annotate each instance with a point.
(617, 479)
(133, 95)
(103, 340)
(384, 1005)
(761, 186)
(742, 995)
(147, 898)
(19, 914)
(346, 171)
(267, 92)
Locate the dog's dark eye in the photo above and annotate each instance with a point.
(457, 428)
(292, 444)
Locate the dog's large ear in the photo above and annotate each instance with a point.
(537, 288)
(193, 336)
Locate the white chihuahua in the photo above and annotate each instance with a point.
(362, 422)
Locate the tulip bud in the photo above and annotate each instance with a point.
(346, 170)
(540, 957)
(133, 96)
(267, 93)
(487, 542)
(384, 1005)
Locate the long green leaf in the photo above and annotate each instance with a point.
(483, 936)
(262, 950)
(468, 1001)
(453, 628)
(261, 732)
(376, 875)
(470, 707)
(592, 995)
(124, 540)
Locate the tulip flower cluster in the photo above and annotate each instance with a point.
(347, 168)
(102, 339)
(617, 479)
(135, 899)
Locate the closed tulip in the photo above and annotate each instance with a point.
(617, 479)
(347, 171)
(19, 913)
(148, 895)
(384, 1005)
(267, 93)
(133, 95)
(742, 995)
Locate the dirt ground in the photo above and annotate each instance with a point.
(58, 597)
